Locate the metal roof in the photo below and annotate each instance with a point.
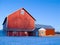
(43, 26)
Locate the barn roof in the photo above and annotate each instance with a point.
(44, 26)
(39, 26)
(29, 14)
(24, 10)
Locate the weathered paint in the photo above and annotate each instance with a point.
(10, 33)
(42, 33)
(50, 32)
(18, 21)
(22, 33)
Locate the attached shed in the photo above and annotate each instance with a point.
(45, 30)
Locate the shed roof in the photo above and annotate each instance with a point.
(43, 26)
(42, 29)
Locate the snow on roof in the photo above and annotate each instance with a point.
(42, 29)
(43, 26)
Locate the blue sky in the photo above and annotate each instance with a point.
(45, 12)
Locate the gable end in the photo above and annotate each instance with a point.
(29, 14)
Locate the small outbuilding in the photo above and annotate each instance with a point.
(45, 30)
(42, 32)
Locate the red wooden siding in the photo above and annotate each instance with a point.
(10, 33)
(22, 34)
(19, 21)
(50, 32)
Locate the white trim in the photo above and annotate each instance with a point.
(22, 12)
(42, 29)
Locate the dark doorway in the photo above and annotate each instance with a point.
(31, 33)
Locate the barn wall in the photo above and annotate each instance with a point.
(36, 31)
(50, 32)
(11, 33)
(19, 21)
(5, 26)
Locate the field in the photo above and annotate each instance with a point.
(6, 40)
(10, 40)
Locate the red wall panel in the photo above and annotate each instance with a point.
(50, 31)
(10, 33)
(19, 21)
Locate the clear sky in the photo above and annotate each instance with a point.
(45, 12)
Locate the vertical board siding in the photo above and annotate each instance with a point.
(10, 33)
(50, 32)
(19, 21)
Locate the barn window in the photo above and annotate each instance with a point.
(22, 12)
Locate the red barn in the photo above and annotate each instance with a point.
(19, 23)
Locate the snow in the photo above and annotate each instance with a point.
(18, 40)
(9, 40)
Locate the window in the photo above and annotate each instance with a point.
(22, 12)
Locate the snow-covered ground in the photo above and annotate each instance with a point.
(6, 40)
(9, 40)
